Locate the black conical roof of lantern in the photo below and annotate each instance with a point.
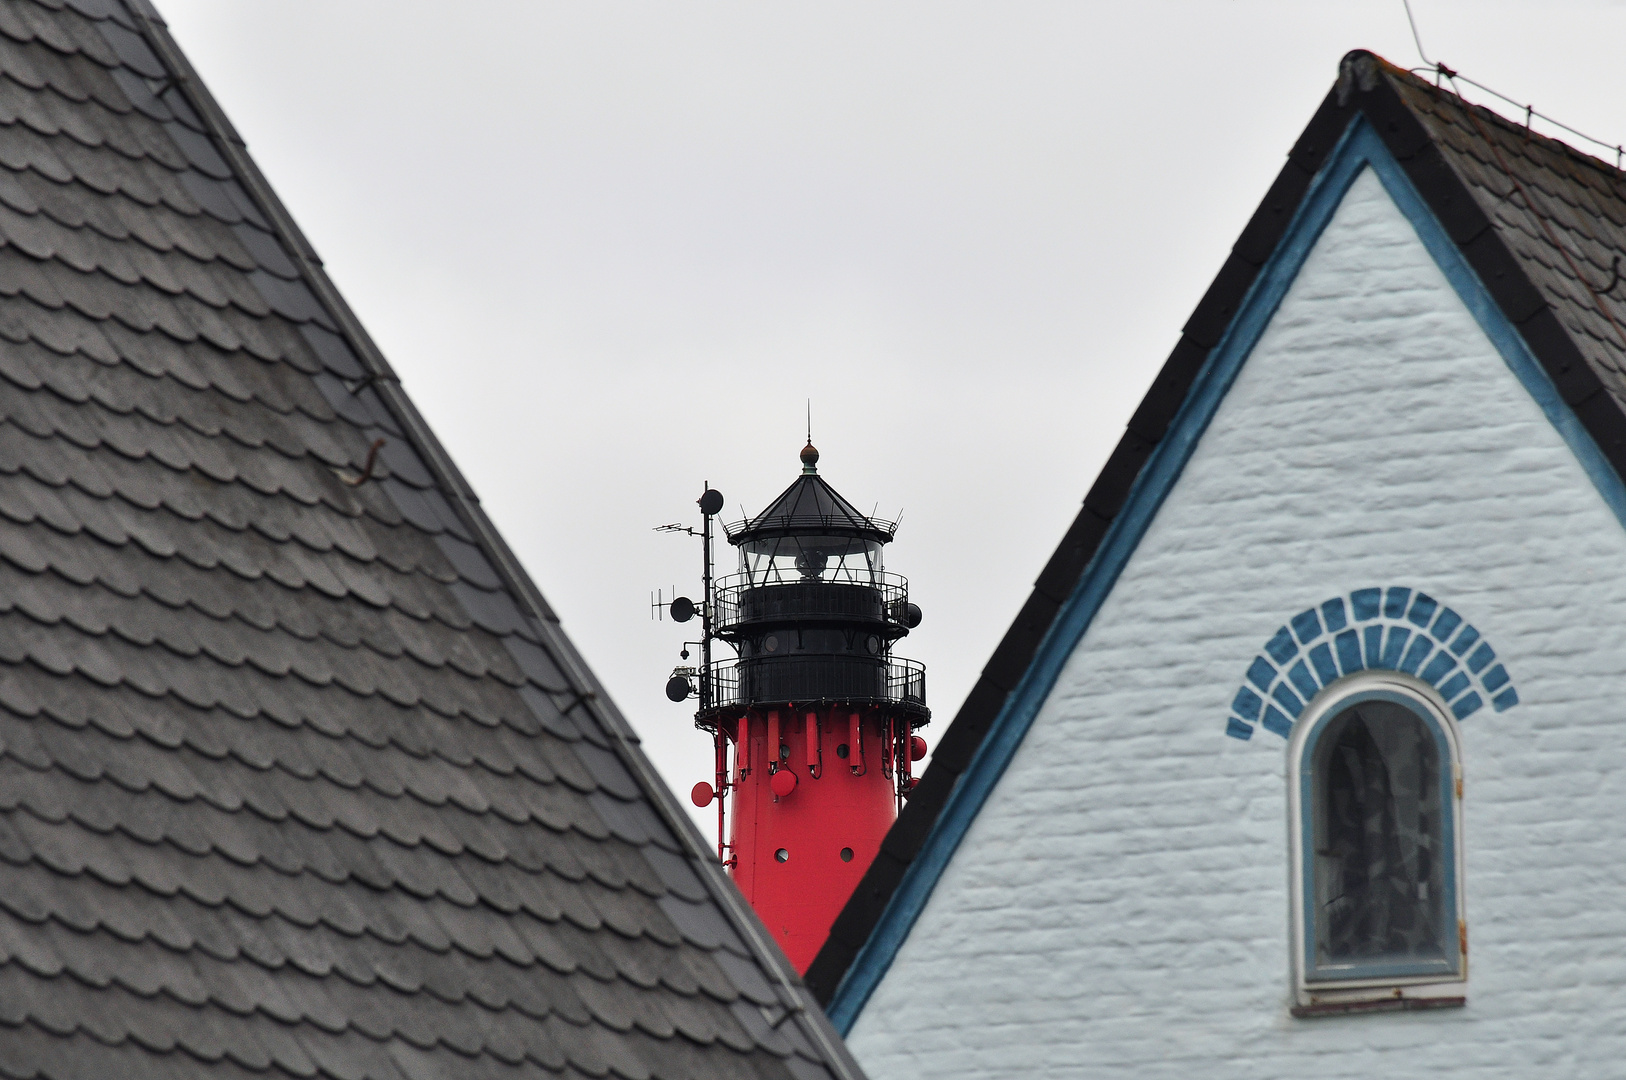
(811, 507)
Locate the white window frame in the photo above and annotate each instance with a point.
(1313, 996)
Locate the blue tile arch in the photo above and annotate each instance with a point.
(1378, 629)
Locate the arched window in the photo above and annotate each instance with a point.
(1377, 816)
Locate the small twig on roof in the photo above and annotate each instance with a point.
(1614, 278)
(372, 461)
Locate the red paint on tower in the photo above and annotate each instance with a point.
(799, 897)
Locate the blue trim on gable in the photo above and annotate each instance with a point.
(1358, 148)
(1491, 319)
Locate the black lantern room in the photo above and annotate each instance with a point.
(812, 612)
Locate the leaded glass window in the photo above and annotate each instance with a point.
(1378, 833)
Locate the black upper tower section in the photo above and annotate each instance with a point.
(812, 612)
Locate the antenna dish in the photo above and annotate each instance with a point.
(711, 502)
(678, 688)
(682, 609)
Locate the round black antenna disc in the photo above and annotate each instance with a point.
(682, 609)
(711, 502)
(677, 688)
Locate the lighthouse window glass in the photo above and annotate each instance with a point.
(1377, 816)
(791, 559)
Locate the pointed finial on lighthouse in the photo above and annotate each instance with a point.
(810, 455)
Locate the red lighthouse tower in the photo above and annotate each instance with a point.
(814, 719)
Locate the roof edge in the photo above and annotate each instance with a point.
(795, 997)
(1364, 88)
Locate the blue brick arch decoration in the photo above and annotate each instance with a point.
(1393, 629)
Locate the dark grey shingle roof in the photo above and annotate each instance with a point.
(298, 774)
(1560, 213)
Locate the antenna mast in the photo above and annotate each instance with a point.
(708, 507)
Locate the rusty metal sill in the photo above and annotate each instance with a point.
(1390, 1004)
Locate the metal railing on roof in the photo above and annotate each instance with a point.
(1530, 112)
(1439, 69)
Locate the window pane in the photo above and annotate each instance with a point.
(1378, 840)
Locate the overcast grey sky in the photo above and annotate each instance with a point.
(612, 248)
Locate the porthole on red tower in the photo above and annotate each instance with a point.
(814, 718)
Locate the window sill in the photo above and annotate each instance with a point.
(1376, 1005)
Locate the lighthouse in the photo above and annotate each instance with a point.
(813, 719)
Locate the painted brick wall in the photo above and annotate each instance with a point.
(1119, 909)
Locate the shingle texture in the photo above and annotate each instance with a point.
(298, 777)
(1544, 227)
(1560, 213)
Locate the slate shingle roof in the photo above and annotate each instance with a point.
(299, 775)
(1540, 223)
(1559, 213)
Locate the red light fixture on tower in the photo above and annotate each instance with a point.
(813, 720)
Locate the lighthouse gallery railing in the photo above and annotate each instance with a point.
(742, 599)
(806, 680)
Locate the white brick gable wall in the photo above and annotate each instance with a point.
(1119, 908)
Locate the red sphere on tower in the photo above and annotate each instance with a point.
(813, 720)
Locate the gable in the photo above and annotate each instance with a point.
(1535, 221)
(1116, 893)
